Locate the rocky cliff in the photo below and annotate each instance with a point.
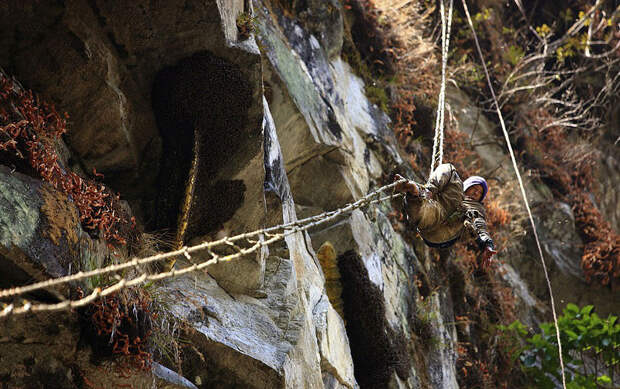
(210, 119)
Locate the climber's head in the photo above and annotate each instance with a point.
(475, 187)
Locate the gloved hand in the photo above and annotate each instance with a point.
(487, 257)
(485, 243)
(409, 186)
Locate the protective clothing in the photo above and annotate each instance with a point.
(442, 214)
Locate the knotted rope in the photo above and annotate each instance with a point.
(262, 237)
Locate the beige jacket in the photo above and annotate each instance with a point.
(442, 214)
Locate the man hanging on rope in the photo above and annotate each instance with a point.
(446, 208)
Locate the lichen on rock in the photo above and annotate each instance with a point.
(60, 215)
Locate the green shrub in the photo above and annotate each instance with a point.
(514, 54)
(378, 96)
(590, 349)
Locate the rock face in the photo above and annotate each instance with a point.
(47, 356)
(41, 237)
(207, 136)
(40, 232)
(99, 60)
(561, 244)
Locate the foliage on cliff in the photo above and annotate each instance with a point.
(556, 82)
(590, 347)
(556, 78)
(386, 50)
(122, 325)
(483, 298)
(29, 131)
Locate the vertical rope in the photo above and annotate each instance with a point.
(437, 155)
(443, 84)
(525, 200)
(437, 120)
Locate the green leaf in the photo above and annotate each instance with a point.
(582, 332)
(603, 380)
(587, 309)
(518, 327)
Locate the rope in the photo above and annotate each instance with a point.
(525, 200)
(286, 228)
(437, 156)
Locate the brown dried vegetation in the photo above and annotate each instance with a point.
(396, 62)
(571, 175)
(481, 297)
(121, 324)
(29, 130)
(554, 115)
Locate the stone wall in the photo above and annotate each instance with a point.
(206, 133)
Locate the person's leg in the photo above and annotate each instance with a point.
(425, 212)
(422, 210)
(447, 187)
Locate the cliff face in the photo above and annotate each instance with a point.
(207, 131)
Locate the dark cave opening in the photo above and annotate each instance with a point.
(206, 99)
(376, 348)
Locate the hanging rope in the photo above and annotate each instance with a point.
(270, 233)
(523, 194)
(437, 156)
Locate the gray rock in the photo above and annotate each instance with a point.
(40, 232)
(98, 61)
(324, 19)
(335, 113)
(244, 340)
(559, 238)
(442, 367)
(42, 350)
(336, 362)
